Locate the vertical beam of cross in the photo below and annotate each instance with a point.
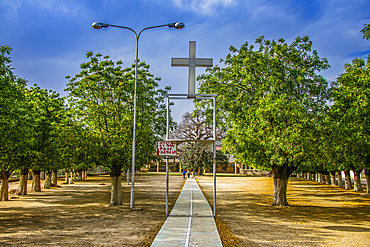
(192, 62)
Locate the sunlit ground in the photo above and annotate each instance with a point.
(320, 215)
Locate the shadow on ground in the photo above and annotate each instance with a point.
(79, 215)
(319, 215)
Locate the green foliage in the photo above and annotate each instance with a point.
(14, 116)
(366, 31)
(46, 111)
(76, 142)
(348, 118)
(272, 99)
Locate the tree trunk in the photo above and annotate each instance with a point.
(47, 182)
(36, 183)
(327, 176)
(340, 179)
(74, 175)
(200, 171)
(116, 189)
(281, 176)
(357, 185)
(22, 187)
(367, 174)
(4, 189)
(319, 179)
(347, 180)
(66, 176)
(71, 180)
(332, 178)
(323, 178)
(55, 178)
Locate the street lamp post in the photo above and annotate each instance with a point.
(98, 25)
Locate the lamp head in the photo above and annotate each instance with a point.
(177, 25)
(98, 25)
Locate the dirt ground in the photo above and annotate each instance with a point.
(319, 215)
(79, 215)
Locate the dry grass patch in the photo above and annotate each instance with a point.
(79, 215)
(320, 215)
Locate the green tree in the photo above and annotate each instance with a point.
(48, 113)
(101, 98)
(77, 147)
(366, 31)
(350, 116)
(14, 125)
(272, 98)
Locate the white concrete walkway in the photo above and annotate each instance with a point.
(190, 222)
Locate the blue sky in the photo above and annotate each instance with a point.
(51, 37)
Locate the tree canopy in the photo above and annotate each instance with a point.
(272, 97)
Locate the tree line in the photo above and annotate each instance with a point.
(91, 126)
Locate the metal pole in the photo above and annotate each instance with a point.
(132, 202)
(214, 157)
(166, 187)
(167, 134)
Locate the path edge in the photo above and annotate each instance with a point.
(228, 239)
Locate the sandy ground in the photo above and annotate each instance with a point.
(320, 215)
(79, 215)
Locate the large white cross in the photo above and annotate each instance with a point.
(192, 62)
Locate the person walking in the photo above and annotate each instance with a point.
(188, 174)
(183, 173)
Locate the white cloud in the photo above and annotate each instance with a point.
(206, 7)
(48, 5)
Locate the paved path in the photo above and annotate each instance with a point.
(190, 222)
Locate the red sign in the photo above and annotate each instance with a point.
(166, 148)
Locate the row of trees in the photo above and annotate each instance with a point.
(92, 125)
(29, 128)
(280, 114)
